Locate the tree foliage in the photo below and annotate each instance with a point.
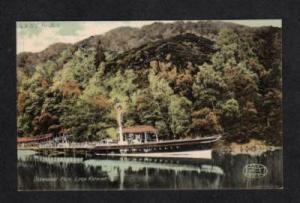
(236, 92)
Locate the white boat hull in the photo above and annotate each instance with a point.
(197, 154)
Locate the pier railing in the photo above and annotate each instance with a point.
(68, 145)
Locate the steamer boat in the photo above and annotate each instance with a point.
(134, 141)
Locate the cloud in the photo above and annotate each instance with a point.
(70, 28)
(257, 23)
(42, 40)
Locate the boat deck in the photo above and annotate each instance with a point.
(93, 146)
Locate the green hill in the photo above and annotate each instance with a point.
(186, 79)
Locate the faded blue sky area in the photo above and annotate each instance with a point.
(36, 36)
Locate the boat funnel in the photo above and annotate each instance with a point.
(119, 110)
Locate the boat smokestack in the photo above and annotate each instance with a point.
(119, 110)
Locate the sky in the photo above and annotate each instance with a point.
(36, 36)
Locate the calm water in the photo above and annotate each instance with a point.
(36, 172)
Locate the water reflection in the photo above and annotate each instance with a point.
(36, 172)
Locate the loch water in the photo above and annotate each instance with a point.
(223, 171)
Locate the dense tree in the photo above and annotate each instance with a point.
(79, 69)
(184, 86)
(179, 114)
(205, 122)
(209, 87)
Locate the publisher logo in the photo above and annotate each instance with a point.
(255, 171)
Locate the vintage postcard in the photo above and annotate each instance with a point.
(135, 105)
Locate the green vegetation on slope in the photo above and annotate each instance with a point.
(185, 86)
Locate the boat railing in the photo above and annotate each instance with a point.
(212, 137)
(69, 145)
(90, 145)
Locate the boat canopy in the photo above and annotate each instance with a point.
(140, 129)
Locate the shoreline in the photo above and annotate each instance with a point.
(253, 147)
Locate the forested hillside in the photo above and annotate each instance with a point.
(186, 79)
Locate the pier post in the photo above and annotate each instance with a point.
(122, 178)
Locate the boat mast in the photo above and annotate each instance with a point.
(119, 110)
